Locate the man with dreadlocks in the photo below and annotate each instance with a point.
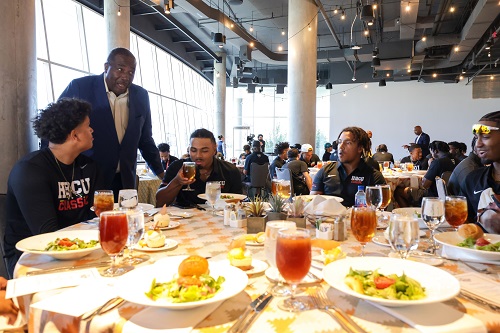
(482, 186)
(343, 177)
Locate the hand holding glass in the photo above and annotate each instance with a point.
(113, 234)
(403, 234)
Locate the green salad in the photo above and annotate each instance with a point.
(480, 244)
(175, 292)
(373, 283)
(66, 244)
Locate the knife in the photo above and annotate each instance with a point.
(247, 312)
(256, 312)
(68, 268)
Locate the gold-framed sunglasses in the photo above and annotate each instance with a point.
(483, 129)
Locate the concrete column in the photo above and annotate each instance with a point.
(240, 136)
(117, 26)
(302, 71)
(220, 95)
(17, 83)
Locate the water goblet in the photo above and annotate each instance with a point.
(363, 225)
(455, 210)
(113, 234)
(374, 196)
(403, 234)
(103, 201)
(135, 219)
(433, 216)
(293, 259)
(270, 250)
(128, 199)
(212, 192)
(189, 171)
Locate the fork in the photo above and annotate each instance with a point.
(323, 304)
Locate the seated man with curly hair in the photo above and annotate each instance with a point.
(52, 188)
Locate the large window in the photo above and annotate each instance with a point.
(71, 44)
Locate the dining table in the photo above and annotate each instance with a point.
(203, 234)
(146, 190)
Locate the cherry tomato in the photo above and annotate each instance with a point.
(382, 282)
(65, 242)
(482, 242)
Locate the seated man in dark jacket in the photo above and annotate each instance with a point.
(416, 157)
(302, 181)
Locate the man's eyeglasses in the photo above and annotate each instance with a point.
(483, 129)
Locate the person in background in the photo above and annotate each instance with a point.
(308, 156)
(121, 119)
(456, 182)
(334, 156)
(52, 188)
(260, 139)
(302, 181)
(422, 139)
(165, 157)
(7, 306)
(221, 146)
(328, 152)
(382, 154)
(343, 177)
(482, 186)
(202, 151)
(456, 151)
(245, 154)
(281, 150)
(257, 156)
(416, 157)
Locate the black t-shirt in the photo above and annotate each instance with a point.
(459, 174)
(333, 179)
(436, 169)
(475, 183)
(297, 168)
(277, 163)
(222, 171)
(314, 160)
(37, 202)
(166, 164)
(326, 156)
(422, 164)
(383, 157)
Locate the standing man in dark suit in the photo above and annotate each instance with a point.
(422, 139)
(121, 119)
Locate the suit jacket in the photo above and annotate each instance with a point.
(423, 141)
(107, 151)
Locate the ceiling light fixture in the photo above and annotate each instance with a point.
(232, 25)
(456, 49)
(219, 39)
(375, 53)
(376, 62)
(424, 38)
(461, 77)
(256, 79)
(408, 70)
(408, 7)
(252, 44)
(387, 74)
(344, 93)
(329, 86)
(464, 70)
(366, 85)
(119, 11)
(336, 10)
(280, 48)
(487, 46)
(374, 5)
(382, 83)
(434, 75)
(251, 28)
(342, 17)
(167, 9)
(367, 32)
(367, 14)
(452, 9)
(282, 32)
(309, 27)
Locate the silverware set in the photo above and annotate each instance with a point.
(252, 311)
(68, 268)
(106, 307)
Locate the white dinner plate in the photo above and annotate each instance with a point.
(308, 198)
(272, 274)
(36, 244)
(253, 242)
(258, 266)
(380, 240)
(429, 260)
(144, 206)
(234, 196)
(133, 285)
(439, 285)
(451, 239)
(169, 244)
(171, 225)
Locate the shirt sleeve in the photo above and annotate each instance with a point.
(318, 184)
(433, 170)
(378, 178)
(171, 172)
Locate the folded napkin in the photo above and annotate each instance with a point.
(327, 207)
(168, 321)
(435, 318)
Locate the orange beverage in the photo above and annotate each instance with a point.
(103, 201)
(284, 189)
(189, 170)
(293, 257)
(386, 196)
(363, 223)
(113, 232)
(455, 210)
(319, 165)
(274, 186)
(409, 166)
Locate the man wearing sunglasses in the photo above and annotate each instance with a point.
(482, 186)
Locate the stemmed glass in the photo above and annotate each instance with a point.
(403, 234)
(212, 192)
(374, 196)
(386, 196)
(433, 216)
(363, 225)
(103, 201)
(128, 199)
(455, 210)
(270, 250)
(135, 220)
(293, 259)
(113, 234)
(189, 171)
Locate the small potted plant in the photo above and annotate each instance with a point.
(277, 208)
(256, 217)
(296, 212)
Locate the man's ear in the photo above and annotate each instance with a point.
(106, 66)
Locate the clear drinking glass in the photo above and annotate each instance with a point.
(212, 192)
(433, 216)
(293, 259)
(270, 250)
(455, 210)
(397, 163)
(135, 220)
(284, 189)
(189, 171)
(113, 234)
(275, 183)
(386, 196)
(374, 196)
(403, 232)
(128, 199)
(363, 225)
(103, 201)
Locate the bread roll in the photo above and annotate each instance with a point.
(193, 266)
(470, 230)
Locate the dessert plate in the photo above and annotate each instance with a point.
(169, 244)
(258, 266)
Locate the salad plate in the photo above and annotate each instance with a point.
(439, 285)
(169, 244)
(451, 239)
(133, 285)
(36, 244)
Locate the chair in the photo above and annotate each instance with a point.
(285, 174)
(259, 174)
(441, 188)
(446, 176)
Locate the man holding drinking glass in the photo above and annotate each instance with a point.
(183, 190)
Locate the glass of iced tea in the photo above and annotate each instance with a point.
(455, 210)
(103, 201)
(363, 225)
(293, 259)
(188, 171)
(113, 234)
(386, 196)
(319, 165)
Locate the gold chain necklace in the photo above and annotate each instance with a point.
(71, 192)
